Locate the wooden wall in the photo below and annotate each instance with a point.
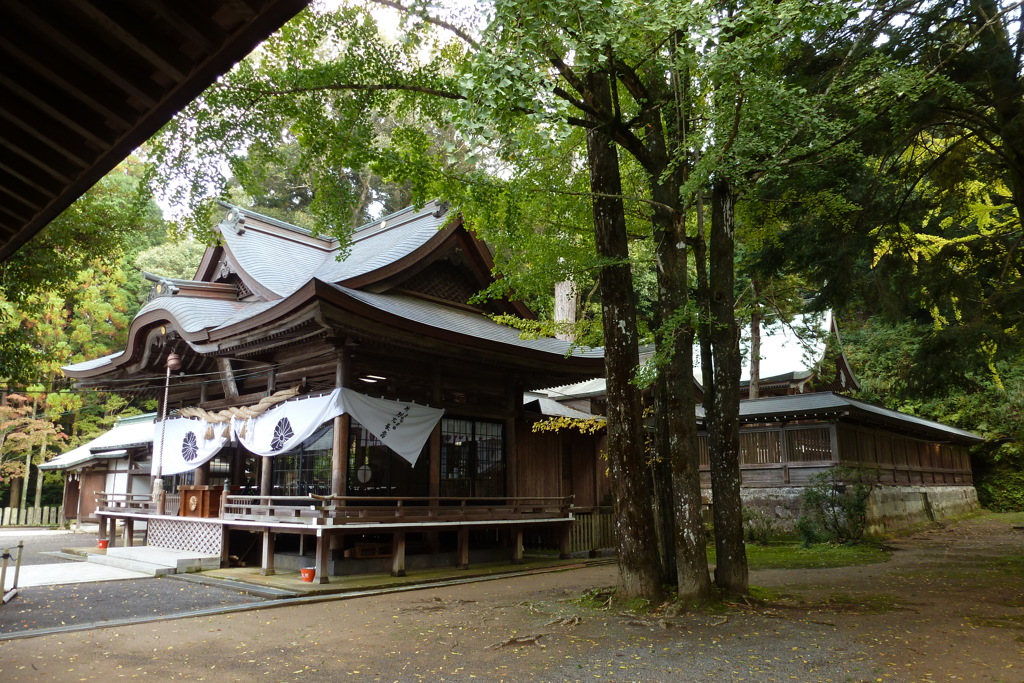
(560, 464)
(901, 460)
(776, 456)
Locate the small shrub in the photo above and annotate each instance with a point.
(758, 526)
(834, 506)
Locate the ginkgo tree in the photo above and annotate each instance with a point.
(667, 107)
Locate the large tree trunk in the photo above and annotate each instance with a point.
(639, 574)
(723, 415)
(663, 488)
(700, 256)
(677, 402)
(693, 581)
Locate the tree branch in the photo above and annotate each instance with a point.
(465, 37)
(407, 87)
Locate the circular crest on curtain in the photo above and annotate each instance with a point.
(189, 447)
(282, 432)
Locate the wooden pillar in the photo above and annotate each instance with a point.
(514, 392)
(237, 467)
(129, 533)
(517, 545)
(323, 547)
(268, 553)
(225, 550)
(78, 505)
(565, 541)
(434, 453)
(266, 480)
(103, 526)
(398, 554)
(511, 459)
(339, 453)
(784, 451)
(202, 476)
(462, 554)
(112, 536)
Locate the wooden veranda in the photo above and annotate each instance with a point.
(329, 519)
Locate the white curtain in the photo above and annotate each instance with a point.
(185, 446)
(287, 425)
(403, 427)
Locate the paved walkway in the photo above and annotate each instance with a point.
(67, 572)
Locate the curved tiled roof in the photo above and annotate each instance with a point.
(466, 323)
(383, 242)
(195, 314)
(299, 257)
(294, 268)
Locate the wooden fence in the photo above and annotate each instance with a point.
(48, 516)
(593, 530)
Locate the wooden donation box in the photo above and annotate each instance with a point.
(200, 501)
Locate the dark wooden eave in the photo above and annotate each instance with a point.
(85, 82)
(320, 309)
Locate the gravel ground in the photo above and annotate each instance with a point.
(949, 605)
(45, 607)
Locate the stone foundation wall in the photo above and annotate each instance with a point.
(893, 508)
(890, 508)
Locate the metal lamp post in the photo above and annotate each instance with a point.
(173, 363)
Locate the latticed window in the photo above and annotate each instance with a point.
(809, 445)
(760, 448)
(306, 469)
(472, 458)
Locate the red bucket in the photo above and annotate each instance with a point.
(308, 573)
(102, 544)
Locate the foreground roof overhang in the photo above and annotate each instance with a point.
(86, 82)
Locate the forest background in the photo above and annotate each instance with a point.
(871, 156)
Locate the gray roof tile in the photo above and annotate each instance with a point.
(466, 322)
(296, 261)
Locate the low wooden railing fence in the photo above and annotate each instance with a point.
(44, 516)
(361, 509)
(352, 509)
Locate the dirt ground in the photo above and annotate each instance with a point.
(949, 605)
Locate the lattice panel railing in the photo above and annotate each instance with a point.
(183, 534)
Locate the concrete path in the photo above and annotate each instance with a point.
(42, 542)
(67, 572)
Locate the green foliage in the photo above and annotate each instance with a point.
(834, 506)
(176, 259)
(112, 220)
(759, 527)
(820, 556)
